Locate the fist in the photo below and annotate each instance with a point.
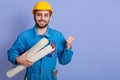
(23, 60)
(69, 41)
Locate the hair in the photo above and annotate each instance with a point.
(34, 11)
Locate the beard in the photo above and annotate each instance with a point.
(41, 26)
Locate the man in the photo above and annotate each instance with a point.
(43, 69)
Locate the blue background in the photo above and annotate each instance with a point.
(94, 23)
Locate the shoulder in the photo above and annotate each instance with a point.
(57, 35)
(56, 32)
(26, 32)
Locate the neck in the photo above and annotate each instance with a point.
(42, 31)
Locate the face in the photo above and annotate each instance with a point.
(42, 18)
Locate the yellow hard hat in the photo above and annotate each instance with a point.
(42, 5)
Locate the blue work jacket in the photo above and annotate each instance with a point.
(43, 69)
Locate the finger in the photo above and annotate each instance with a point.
(29, 62)
(70, 38)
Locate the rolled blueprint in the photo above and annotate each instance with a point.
(37, 47)
(33, 58)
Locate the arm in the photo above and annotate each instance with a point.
(64, 50)
(17, 49)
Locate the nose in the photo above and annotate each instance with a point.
(42, 17)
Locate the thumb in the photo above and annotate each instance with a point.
(24, 54)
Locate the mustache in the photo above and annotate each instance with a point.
(42, 20)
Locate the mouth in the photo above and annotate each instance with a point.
(42, 21)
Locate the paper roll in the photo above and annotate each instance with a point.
(33, 58)
(37, 47)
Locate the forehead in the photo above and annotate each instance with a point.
(42, 12)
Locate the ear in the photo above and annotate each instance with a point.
(50, 16)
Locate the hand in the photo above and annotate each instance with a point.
(69, 41)
(23, 60)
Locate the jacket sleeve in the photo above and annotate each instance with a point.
(64, 55)
(16, 50)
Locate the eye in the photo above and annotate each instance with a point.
(39, 14)
(46, 15)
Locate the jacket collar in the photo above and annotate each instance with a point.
(36, 33)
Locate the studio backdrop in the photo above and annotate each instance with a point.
(95, 24)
